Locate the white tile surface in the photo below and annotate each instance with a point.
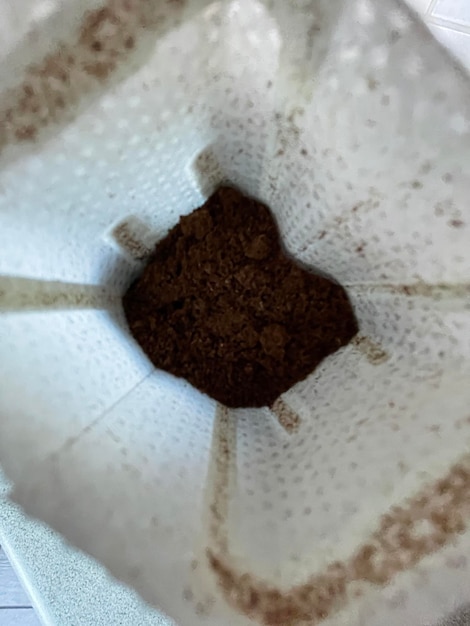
(12, 594)
(457, 42)
(19, 617)
(457, 11)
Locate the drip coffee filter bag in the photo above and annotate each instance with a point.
(348, 500)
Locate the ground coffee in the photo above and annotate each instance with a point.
(222, 305)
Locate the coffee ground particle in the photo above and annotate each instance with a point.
(222, 305)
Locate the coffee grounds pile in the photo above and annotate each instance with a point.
(221, 305)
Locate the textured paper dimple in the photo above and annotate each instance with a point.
(347, 501)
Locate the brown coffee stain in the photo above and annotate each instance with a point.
(373, 352)
(455, 223)
(208, 172)
(19, 294)
(286, 416)
(104, 42)
(221, 480)
(220, 485)
(129, 235)
(404, 536)
(436, 291)
(340, 222)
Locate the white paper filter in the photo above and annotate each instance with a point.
(349, 501)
